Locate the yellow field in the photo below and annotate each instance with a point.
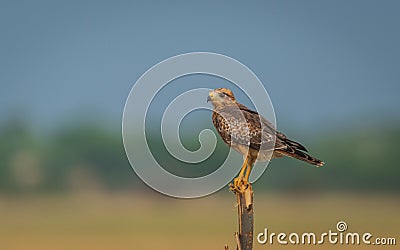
(138, 221)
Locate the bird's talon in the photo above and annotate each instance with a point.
(239, 185)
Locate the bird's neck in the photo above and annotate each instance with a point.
(220, 106)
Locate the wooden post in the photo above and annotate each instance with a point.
(244, 196)
(246, 218)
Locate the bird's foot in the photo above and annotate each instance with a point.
(239, 185)
(243, 189)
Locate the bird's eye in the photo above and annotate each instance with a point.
(221, 94)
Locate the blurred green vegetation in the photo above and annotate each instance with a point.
(91, 157)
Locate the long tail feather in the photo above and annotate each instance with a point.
(297, 154)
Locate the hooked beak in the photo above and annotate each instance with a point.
(208, 98)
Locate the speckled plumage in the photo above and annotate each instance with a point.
(251, 134)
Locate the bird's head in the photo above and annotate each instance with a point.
(221, 97)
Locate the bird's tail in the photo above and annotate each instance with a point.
(300, 155)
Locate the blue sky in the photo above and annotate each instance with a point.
(322, 62)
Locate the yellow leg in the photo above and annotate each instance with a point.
(243, 168)
(246, 177)
(238, 182)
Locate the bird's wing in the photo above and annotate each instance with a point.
(263, 129)
(240, 125)
(281, 141)
(231, 125)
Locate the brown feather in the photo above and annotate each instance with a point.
(241, 127)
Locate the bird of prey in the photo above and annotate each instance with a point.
(251, 135)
